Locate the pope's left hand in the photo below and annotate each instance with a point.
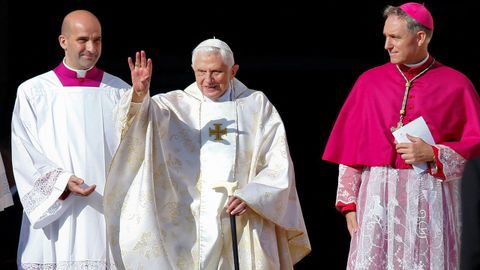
(235, 206)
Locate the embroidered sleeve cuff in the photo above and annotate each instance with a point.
(346, 207)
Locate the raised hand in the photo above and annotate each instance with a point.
(141, 73)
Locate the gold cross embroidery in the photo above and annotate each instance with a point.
(217, 132)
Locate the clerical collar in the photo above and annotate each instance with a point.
(227, 96)
(413, 70)
(68, 76)
(418, 64)
(80, 72)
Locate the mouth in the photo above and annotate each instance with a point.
(89, 57)
(210, 87)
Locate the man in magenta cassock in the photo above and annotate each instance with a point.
(400, 217)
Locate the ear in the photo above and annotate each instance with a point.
(234, 70)
(421, 38)
(63, 41)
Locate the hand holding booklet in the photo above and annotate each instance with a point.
(417, 128)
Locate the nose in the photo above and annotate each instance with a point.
(91, 46)
(388, 44)
(209, 76)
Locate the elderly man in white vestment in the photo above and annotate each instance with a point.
(162, 209)
(62, 143)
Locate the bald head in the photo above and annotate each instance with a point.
(83, 17)
(81, 39)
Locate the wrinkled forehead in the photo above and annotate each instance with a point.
(209, 59)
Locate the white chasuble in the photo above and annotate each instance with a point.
(58, 132)
(162, 211)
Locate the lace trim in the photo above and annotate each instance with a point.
(42, 188)
(406, 221)
(52, 210)
(349, 180)
(453, 163)
(82, 265)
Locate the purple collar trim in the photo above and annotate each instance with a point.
(68, 77)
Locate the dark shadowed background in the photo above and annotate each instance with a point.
(305, 55)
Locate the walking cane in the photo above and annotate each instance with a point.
(230, 187)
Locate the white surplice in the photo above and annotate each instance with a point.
(56, 132)
(416, 216)
(6, 199)
(161, 208)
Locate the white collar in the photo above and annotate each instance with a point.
(418, 64)
(81, 73)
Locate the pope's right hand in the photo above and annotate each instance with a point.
(141, 73)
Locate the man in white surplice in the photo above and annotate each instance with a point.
(161, 208)
(62, 143)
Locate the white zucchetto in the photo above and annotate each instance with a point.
(213, 42)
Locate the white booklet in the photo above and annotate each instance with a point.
(417, 128)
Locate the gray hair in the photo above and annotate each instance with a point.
(412, 25)
(227, 55)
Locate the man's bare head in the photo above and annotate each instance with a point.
(75, 17)
(81, 38)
